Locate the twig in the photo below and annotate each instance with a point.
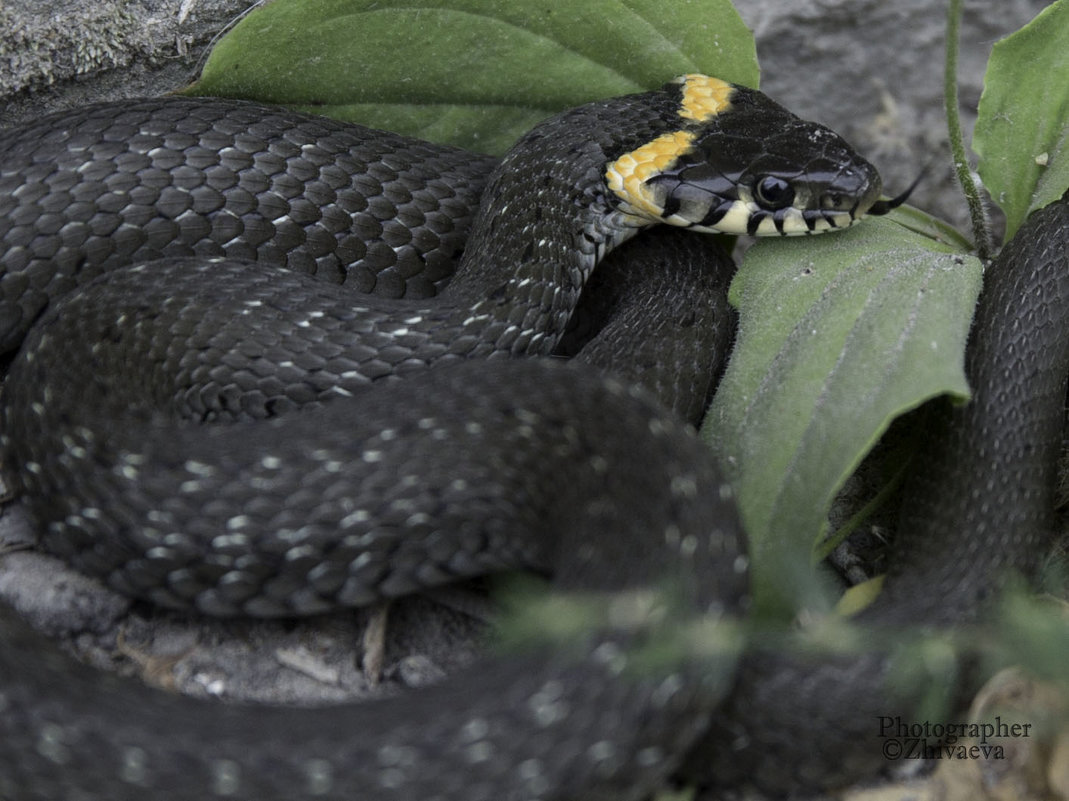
(981, 230)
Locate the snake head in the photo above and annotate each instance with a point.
(739, 163)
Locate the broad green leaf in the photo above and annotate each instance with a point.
(837, 336)
(1022, 131)
(475, 73)
(927, 225)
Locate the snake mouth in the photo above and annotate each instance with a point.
(745, 215)
(740, 217)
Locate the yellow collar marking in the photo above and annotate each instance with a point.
(704, 97)
(627, 175)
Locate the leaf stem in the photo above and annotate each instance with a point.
(823, 551)
(981, 231)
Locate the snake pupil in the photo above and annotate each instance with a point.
(774, 193)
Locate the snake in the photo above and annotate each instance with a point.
(244, 379)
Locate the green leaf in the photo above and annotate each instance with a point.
(1022, 131)
(929, 226)
(475, 73)
(837, 336)
(859, 596)
(1034, 634)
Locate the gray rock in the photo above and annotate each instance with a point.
(67, 53)
(872, 70)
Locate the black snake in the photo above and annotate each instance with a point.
(479, 466)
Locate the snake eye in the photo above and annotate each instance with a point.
(774, 193)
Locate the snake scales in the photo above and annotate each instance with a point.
(473, 467)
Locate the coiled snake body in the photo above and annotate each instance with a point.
(344, 495)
